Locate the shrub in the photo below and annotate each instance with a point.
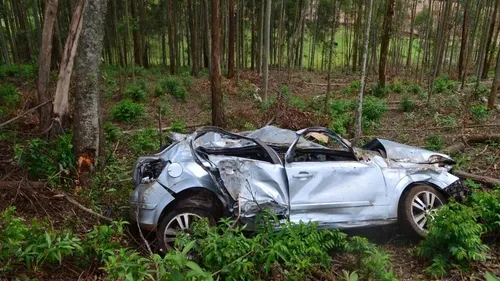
(187, 79)
(24, 71)
(136, 93)
(379, 91)
(487, 206)
(298, 102)
(373, 109)
(480, 112)
(111, 132)
(454, 237)
(9, 96)
(145, 141)
(159, 91)
(42, 159)
(340, 107)
(415, 89)
(446, 121)
(397, 87)
(284, 90)
(180, 93)
(178, 126)
(406, 104)
(352, 88)
(340, 123)
(126, 111)
(434, 142)
(31, 245)
(443, 84)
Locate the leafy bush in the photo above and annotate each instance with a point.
(352, 88)
(178, 126)
(406, 104)
(293, 250)
(397, 87)
(379, 91)
(9, 96)
(145, 141)
(443, 84)
(340, 107)
(23, 71)
(434, 142)
(187, 79)
(446, 121)
(480, 112)
(284, 90)
(373, 109)
(42, 159)
(454, 237)
(417, 90)
(297, 102)
(136, 93)
(371, 261)
(111, 132)
(173, 86)
(340, 123)
(126, 111)
(487, 206)
(30, 244)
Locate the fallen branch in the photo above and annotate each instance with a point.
(470, 139)
(81, 207)
(482, 179)
(24, 113)
(163, 129)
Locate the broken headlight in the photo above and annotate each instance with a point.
(149, 171)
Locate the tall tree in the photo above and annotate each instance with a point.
(489, 40)
(215, 79)
(463, 43)
(136, 33)
(44, 63)
(86, 125)
(330, 56)
(267, 39)
(442, 38)
(232, 35)
(171, 36)
(359, 109)
(495, 84)
(412, 24)
(386, 36)
(194, 41)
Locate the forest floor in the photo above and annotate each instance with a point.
(437, 125)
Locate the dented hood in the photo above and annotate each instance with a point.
(405, 153)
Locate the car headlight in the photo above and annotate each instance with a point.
(148, 171)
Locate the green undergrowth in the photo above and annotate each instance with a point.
(455, 237)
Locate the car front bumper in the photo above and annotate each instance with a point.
(458, 191)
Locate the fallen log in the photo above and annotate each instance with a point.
(482, 179)
(470, 139)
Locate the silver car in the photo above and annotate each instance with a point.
(309, 175)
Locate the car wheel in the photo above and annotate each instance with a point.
(181, 219)
(417, 207)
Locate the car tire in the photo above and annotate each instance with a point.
(415, 209)
(181, 217)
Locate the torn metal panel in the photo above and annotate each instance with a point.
(255, 185)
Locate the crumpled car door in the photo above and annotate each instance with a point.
(335, 192)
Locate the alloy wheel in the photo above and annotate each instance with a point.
(181, 222)
(424, 206)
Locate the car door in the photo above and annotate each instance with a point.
(327, 184)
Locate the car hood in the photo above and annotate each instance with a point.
(405, 153)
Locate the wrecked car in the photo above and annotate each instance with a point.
(312, 175)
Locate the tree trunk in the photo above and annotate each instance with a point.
(44, 63)
(410, 44)
(60, 109)
(136, 35)
(215, 80)
(463, 44)
(491, 29)
(232, 35)
(171, 42)
(86, 125)
(357, 28)
(359, 109)
(37, 22)
(267, 39)
(483, 49)
(330, 56)
(194, 43)
(302, 31)
(261, 36)
(384, 48)
(494, 86)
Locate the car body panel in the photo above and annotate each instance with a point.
(364, 190)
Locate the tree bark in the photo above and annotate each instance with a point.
(232, 35)
(194, 43)
(359, 109)
(443, 41)
(86, 124)
(494, 86)
(37, 22)
(489, 40)
(384, 48)
(44, 63)
(267, 39)
(261, 36)
(330, 56)
(171, 40)
(215, 81)
(60, 109)
(410, 44)
(463, 43)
